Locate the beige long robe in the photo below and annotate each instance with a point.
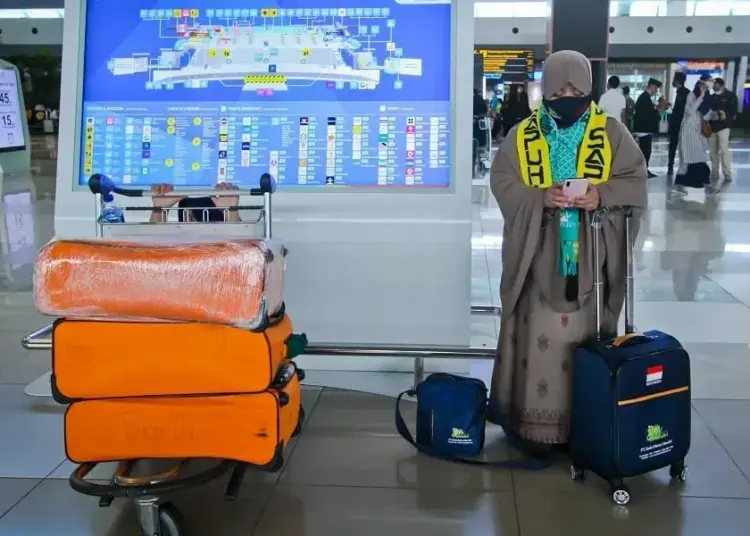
(540, 329)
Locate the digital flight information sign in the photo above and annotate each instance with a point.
(318, 93)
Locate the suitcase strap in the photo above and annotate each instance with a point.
(296, 345)
(403, 430)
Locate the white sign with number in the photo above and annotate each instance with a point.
(11, 121)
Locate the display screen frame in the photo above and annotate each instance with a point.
(21, 115)
(418, 190)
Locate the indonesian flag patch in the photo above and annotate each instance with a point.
(654, 374)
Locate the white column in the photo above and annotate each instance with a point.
(729, 74)
(741, 76)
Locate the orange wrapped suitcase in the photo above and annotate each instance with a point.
(236, 282)
(250, 428)
(100, 359)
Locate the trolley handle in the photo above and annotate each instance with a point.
(104, 186)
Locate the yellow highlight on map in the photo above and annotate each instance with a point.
(196, 166)
(305, 52)
(194, 13)
(269, 12)
(171, 130)
(211, 52)
(227, 52)
(196, 141)
(177, 13)
(169, 162)
(265, 79)
(171, 121)
(197, 121)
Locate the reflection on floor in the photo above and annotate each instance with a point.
(350, 472)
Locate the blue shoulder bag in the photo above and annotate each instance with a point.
(451, 420)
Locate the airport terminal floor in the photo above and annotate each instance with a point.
(349, 471)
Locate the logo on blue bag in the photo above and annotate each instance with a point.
(459, 436)
(655, 433)
(658, 442)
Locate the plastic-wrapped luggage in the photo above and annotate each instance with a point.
(249, 428)
(236, 282)
(103, 359)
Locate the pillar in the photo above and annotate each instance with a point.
(568, 19)
(741, 76)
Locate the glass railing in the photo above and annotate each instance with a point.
(620, 8)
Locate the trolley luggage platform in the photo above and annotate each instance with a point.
(156, 517)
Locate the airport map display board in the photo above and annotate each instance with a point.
(11, 120)
(319, 93)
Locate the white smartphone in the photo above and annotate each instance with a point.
(575, 187)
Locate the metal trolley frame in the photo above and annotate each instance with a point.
(156, 516)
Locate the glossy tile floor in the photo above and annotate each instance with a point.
(349, 472)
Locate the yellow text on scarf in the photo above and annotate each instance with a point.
(594, 155)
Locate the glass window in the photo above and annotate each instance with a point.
(648, 8)
(31, 13)
(483, 10)
(712, 8)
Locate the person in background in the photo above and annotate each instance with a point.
(629, 107)
(724, 108)
(613, 101)
(515, 108)
(548, 269)
(646, 120)
(480, 106)
(693, 171)
(675, 118)
(496, 109)
(195, 209)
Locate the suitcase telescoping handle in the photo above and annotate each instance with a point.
(596, 222)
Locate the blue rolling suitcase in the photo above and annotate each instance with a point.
(631, 397)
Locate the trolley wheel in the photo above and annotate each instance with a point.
(300, 422)
(621, 495)
(678, 471)
(577, 474)
(170, 521)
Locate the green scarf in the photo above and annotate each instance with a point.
(563, 154)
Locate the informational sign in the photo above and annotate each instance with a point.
(19, 226)
(11, 120)
(508, 65)
(317, 93)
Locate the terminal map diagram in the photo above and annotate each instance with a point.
(271, 50)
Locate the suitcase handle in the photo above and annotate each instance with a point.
(630, 339)
(596, 223)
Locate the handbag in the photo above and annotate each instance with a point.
(451, 422)
(706, 131)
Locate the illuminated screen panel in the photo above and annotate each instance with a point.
(317, 94)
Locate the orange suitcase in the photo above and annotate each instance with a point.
(252, 428)
(236, 282)
(100, 359)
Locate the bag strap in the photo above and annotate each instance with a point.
(403, 430)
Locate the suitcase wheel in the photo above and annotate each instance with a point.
(300, 422)
(678, 471)
(621, 495)
(170, 521)
(577, 474)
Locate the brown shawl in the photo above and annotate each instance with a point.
(524, 212)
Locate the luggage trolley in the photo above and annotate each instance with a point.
(158, 517)
(482, 145)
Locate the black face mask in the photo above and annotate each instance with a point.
(567, 110)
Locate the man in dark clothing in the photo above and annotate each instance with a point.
(675, 119)
(480, 106)
(646, 122)
(724, 108)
